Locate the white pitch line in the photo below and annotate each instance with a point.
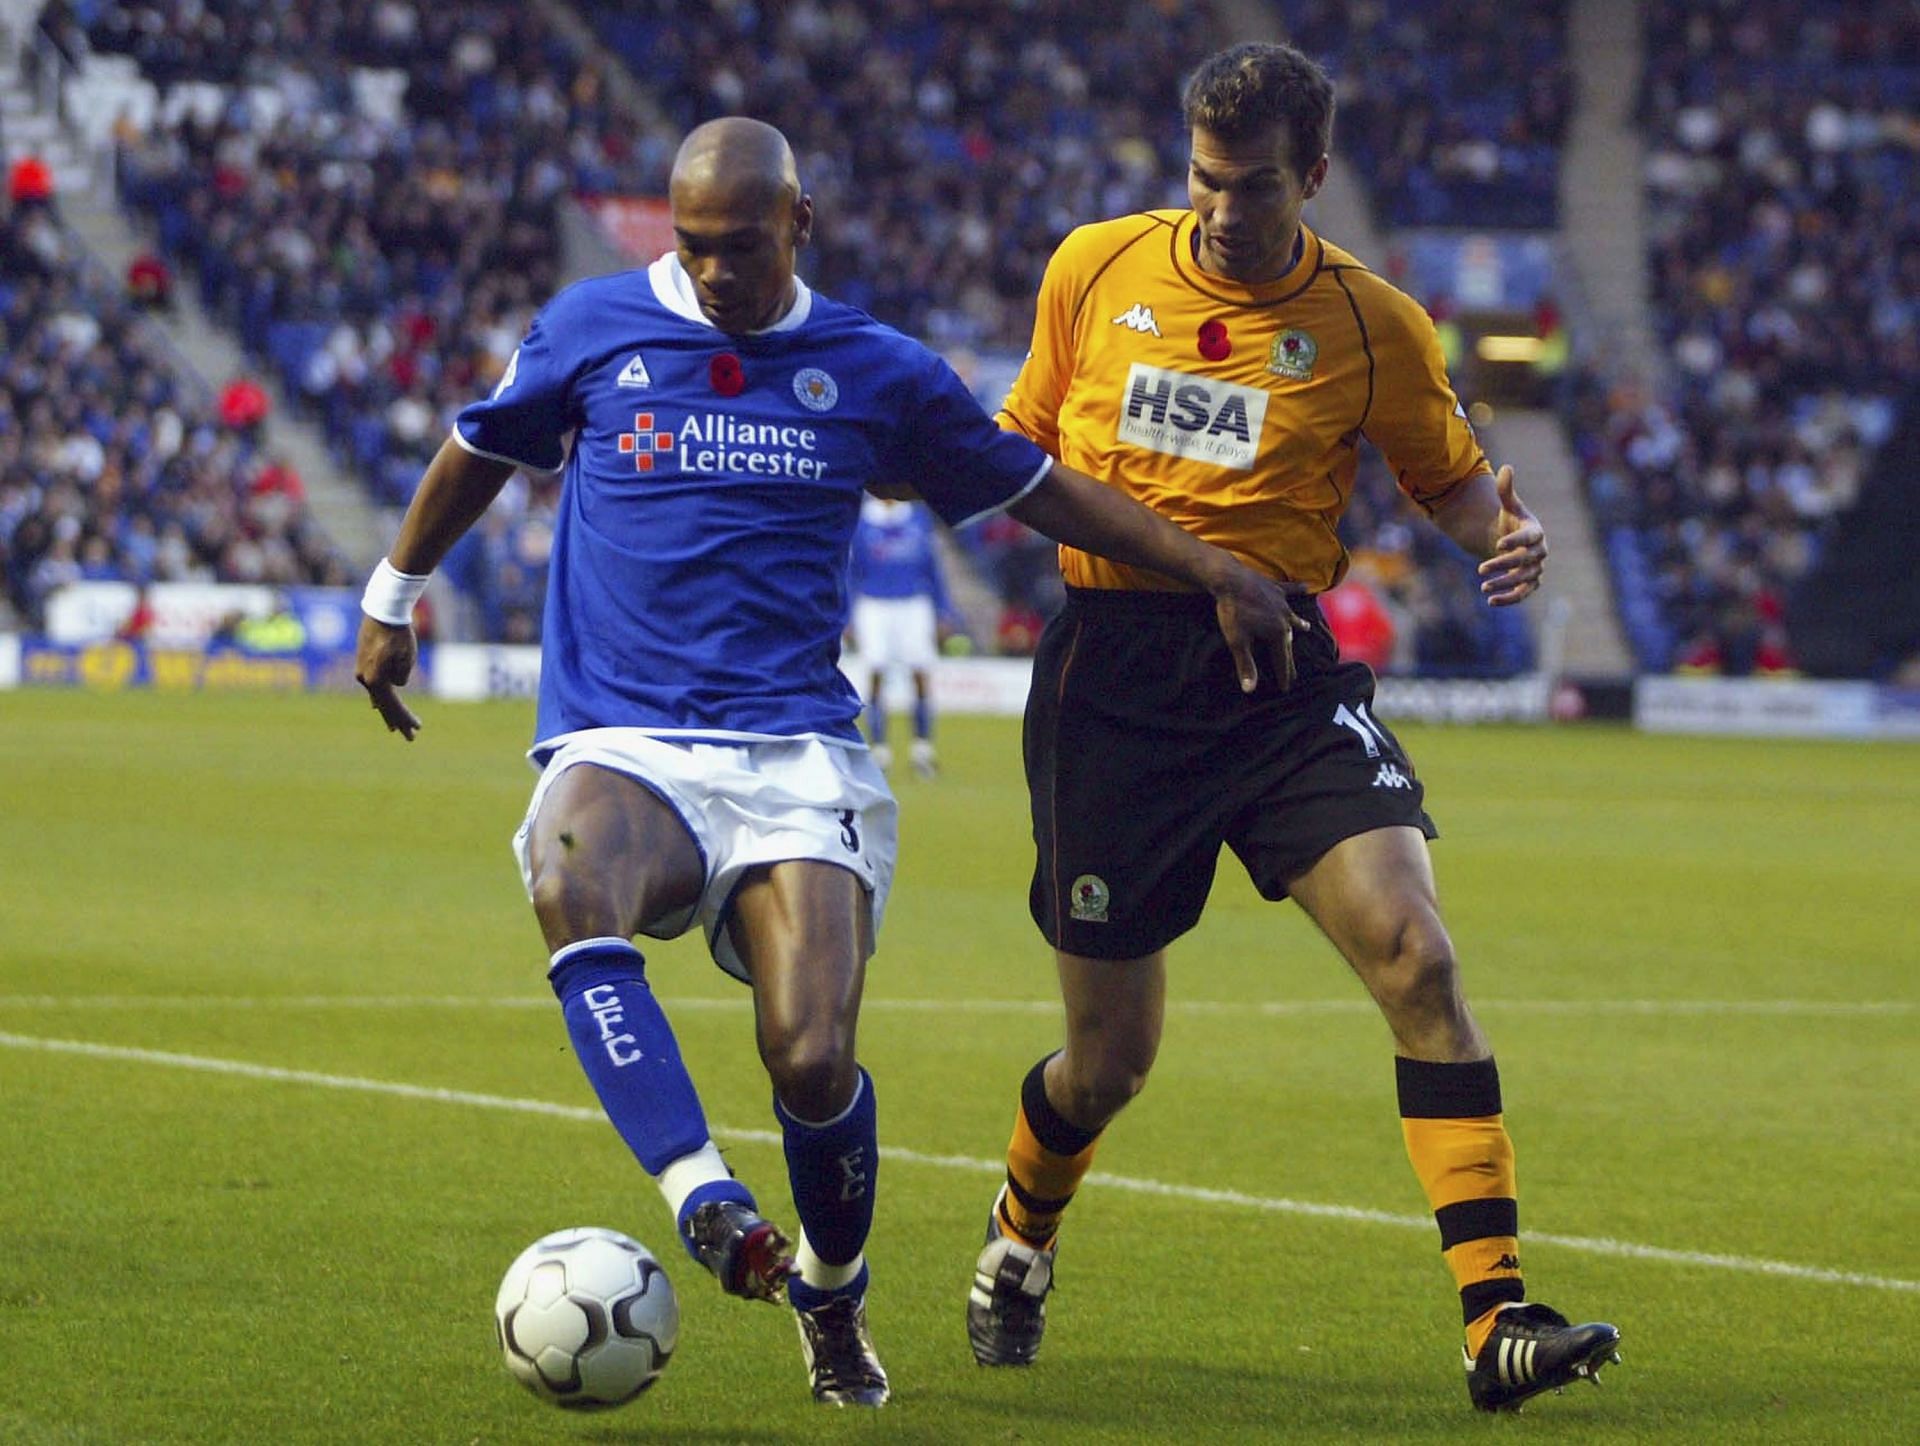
(1270, 1008)
(1589, 1245)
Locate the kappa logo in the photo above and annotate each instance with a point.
(1138, 318)
(1507, 1262)
(1201, 419)
(1390, 776)
(633, 374)
(1090, 899)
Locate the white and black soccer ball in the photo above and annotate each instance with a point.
(587, 1318)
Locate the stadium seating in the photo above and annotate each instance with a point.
(368, 196)
(1454, 113)
(1785, 219)
(916, 130)
(379, 243)
(113, 461)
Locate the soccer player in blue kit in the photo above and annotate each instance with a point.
(699, 752)
(899, 599)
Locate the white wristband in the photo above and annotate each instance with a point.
(391, 594)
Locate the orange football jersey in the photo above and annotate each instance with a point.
(1233, 410)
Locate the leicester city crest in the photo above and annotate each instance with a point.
(1294, 353)
(816, 390)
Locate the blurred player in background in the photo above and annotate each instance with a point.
(900, 607)
(1221, 364)
(700, 756)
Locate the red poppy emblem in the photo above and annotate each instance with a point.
(729, 378)
(1215, 344)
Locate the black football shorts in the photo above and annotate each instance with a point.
(1144, 757)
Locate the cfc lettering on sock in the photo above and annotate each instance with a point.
(853, 1174)
(604, 1001)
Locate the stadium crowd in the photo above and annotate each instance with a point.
(1455, 113)
(944, 100)
(1785, 267)
(111, 464)
(915, 126)
(367, 190)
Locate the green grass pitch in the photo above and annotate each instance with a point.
(1696, 959)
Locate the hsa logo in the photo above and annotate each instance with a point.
(1199, 418)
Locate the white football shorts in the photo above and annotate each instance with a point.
(746, 805)
(896, 632)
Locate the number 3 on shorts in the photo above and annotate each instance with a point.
(849, 835)
(1371, 735)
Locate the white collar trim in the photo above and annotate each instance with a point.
(673, 289)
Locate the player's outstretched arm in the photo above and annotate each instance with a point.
(1488, 519)
(1073, 508)
(456, 489)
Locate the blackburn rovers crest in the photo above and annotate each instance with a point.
(1090, 899)
(1293, 355)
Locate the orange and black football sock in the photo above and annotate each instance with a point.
(1450, 1115)
(1046, 1160)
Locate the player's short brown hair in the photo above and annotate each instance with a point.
(1246, 90)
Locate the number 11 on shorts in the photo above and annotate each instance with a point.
(1371, 735)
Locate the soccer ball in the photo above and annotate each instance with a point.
(586, 1318)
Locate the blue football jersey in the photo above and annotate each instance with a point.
(697, 586)
(895, 554)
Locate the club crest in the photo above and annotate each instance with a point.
(1090, 899)
(816, 390)
(1293, 355)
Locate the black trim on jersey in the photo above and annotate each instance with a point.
(1366, 344)
(1073, 320)
(1428, 507)
(1181, 269)
(1440, 498)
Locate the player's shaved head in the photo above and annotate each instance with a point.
(736, 155)
(738, 218)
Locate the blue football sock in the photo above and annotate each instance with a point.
(832, 1168)
(923, 718)
(877, 719)
(628, 1050)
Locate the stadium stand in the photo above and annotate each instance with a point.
(1454, 113)
(944, 104)
(1785, 230)
(915, 128)
(366, 191)
(115, 463)
(367, 194)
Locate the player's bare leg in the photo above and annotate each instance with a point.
(1115, 1012)
(607, 856)
(1373, 896)
(804, 930)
